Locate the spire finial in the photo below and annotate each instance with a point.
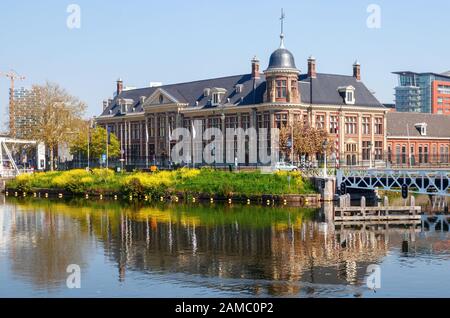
(282, 28)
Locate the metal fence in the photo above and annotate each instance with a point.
(354, 161)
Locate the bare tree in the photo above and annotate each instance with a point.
(58, 116)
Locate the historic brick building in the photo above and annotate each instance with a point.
(341, 104)
(416, 139)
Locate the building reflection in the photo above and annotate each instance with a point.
(275, 251)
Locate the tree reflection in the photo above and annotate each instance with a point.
(279, 251)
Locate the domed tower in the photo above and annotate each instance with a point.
(282, 75)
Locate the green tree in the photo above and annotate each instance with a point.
(55, 114)
(97, 144)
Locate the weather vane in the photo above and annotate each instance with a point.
(282, 20)
(282, 28)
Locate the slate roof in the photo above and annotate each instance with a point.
(437, 125)
(324, 92)
(192, 92)
(325, 87)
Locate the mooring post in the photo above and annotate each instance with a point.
(363, 206)
(413, 205)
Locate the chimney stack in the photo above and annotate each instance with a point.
(357, 71)
(255, 68)
(119, 86)
(312, 67)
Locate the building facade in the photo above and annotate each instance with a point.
(423, 92)
(342, 105)
(418, 139)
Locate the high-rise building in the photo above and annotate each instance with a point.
(423, 92)
(23, 114)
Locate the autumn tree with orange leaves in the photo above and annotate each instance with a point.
(308, 140)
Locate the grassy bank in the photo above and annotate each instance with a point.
(187, 181)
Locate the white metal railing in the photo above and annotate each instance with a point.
(317, 172)
(418, 181)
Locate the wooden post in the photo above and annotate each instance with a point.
(413, 205)
(363, 206)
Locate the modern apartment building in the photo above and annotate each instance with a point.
(423, 92)
(23, 114)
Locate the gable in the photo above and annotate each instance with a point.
(160, 97)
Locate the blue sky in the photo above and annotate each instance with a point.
(174, 41)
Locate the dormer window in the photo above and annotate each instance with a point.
(348, 94)
(239, 88)
(216, 99)
(206, 92)
(350, 97)
(217, 95)
(125, 105)
(422, 128)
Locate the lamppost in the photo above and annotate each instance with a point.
(370, 154)
(88, 143)
(324, 147)
(223, 129)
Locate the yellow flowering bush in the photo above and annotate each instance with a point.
(72, 180)
(189, 181)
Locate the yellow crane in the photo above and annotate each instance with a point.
(13, 76)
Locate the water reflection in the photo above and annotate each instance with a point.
(242, 249)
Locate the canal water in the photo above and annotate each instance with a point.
(212, 251)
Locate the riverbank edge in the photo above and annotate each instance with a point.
(286, 199)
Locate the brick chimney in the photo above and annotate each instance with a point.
(357, 71)
(119, 86)
(312, 67)
(255, 68)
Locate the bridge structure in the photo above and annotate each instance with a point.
(8, 166)
(420, 181)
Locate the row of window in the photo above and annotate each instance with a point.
(282, 89)
(157, 124)
(350, 125)
(402, 156)
(369, 151)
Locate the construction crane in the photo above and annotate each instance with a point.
(13, 76)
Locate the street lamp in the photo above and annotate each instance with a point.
(223, 129)
(90, 126)
(324, 147)
(370, 154)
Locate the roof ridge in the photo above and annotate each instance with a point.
(335, 74)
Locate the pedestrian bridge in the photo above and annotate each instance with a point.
(426, 181)
(8, 165)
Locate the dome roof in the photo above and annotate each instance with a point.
(283, 59)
